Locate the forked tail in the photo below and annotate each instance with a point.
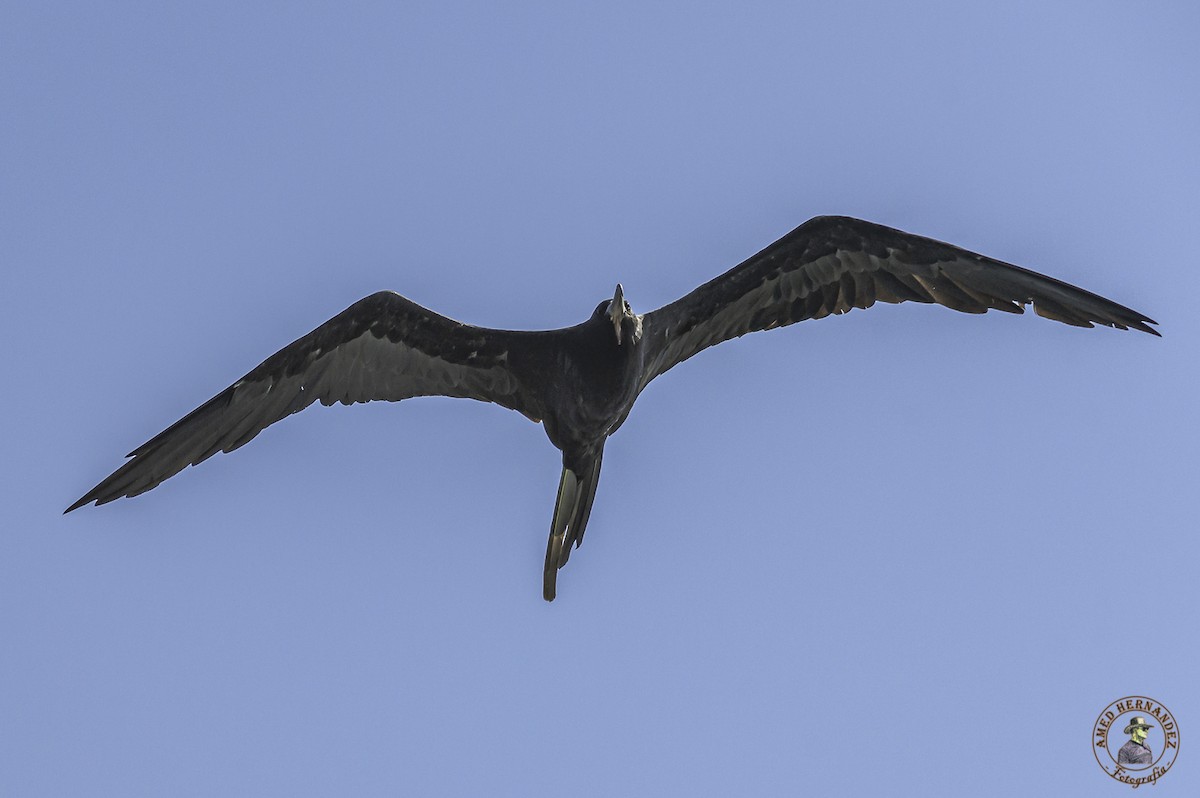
(576, 490)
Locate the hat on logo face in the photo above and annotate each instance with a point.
(1137, 722)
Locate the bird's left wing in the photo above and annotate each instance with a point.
(831, 264)
(383, 347)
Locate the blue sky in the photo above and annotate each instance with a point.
(902, 550)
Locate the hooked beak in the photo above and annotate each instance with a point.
(616, 311)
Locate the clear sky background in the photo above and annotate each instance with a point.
(904, 550)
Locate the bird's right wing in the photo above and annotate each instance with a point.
(831, 264)
(383, 347)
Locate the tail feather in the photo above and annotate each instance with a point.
(571, 512)
(564, 506)
(583, 510)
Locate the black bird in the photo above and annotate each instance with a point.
(581, 382)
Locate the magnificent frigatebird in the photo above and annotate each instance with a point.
(581, 382)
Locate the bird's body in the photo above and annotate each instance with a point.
(587, 361)
(581, 382)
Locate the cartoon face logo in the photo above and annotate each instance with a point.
(1135, 740)
(1136, 753)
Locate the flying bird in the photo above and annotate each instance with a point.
(581, 382)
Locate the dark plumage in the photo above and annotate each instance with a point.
(581, 382)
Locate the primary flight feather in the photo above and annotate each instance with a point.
(581, 382)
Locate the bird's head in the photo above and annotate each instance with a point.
(626, 324)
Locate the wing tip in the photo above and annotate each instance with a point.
(1133, 321)
(1143, 325)
(87, 499)
(113, 487)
